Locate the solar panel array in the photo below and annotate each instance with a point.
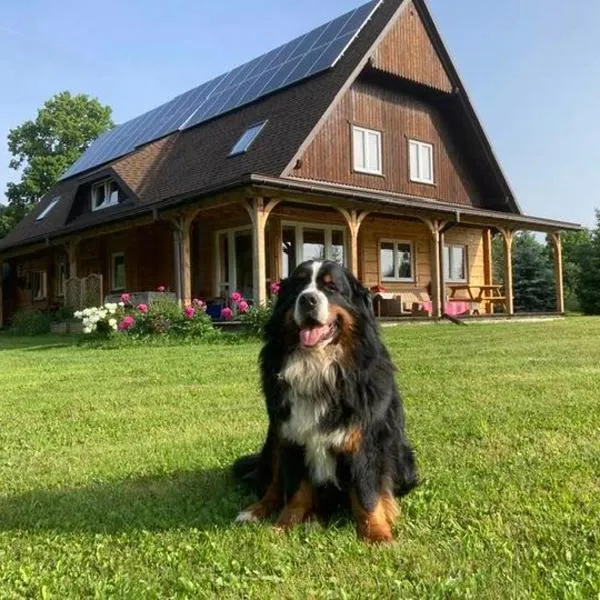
(303, 57)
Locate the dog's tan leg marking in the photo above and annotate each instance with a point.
(373, 526)
(298, 508)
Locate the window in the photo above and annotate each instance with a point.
(39, 285)
(455, 263)
(396, 259)
(104, 194)
(303, 242)
(421, 161)
(60, 277)
(248, 137)
(366, 145)
(48, 208)
(118, 272)
(234, 262)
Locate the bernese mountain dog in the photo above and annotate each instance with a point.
(336, 423)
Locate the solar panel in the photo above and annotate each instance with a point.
(299, 59)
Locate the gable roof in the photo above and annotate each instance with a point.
(196, 160)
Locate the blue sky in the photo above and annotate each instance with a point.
(531, 69)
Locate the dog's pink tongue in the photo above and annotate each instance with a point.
(311, 337)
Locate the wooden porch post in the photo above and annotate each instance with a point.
(558, 269)
(259, 212)
(507, 236)
(488, 268)
(182, 244)
(72, 247)
(437, 275)
(354, 219)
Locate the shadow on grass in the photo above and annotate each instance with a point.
(197, 499)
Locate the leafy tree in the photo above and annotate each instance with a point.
(588, 257)
(44, 148)
(575, 246)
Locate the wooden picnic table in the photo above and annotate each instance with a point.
(478, 294)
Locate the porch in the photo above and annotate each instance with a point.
(420, 258)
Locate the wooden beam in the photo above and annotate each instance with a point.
(354, 219)
(558, 270)
(71, 247)
(259, 212)
(437, 273)
(488, 265)
(507, 236)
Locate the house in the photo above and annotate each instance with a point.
(356, 142)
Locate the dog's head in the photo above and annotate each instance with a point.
(322, 303)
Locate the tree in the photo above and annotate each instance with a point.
(588, 256)
(44, 148)
(575, 245)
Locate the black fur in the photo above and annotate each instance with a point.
(365, 396)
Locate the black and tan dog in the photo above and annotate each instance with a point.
(336, 423)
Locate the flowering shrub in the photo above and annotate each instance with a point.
(162, 317)
(254, 317)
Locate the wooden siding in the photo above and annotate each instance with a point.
(407, 51)
(399, 117)
(375, 229)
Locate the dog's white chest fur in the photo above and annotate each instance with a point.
(310, 374)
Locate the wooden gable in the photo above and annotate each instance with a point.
(407, 51)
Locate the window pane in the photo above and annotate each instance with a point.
(405, 261)
(223, 264)
(457, 266)
(313, 246)
(119, 272)
(114, 193)
(414, 160)
(446, 263)
(425, 163)
(337, 246)
(386, 257)
(243, 264)
(288, 251)
(359, 149)
(373, 154)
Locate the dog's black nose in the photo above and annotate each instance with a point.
(308, 300)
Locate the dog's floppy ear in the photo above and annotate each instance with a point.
(361, 296)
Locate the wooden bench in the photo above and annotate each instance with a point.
(477, 294)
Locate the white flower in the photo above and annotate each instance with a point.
(87, 312)
(87, 330)
(121, 304)
(78, 314)
(111, 307)
(112, 323)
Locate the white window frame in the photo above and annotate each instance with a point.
(465, 250)
(60, 278)
(231, 285)
(113, 272)
(106, 203)
(44, 285)
(396, 243)
(365, 169)
(300, 226)
(418, 176)
(247, 138)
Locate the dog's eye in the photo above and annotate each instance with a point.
(331, 286)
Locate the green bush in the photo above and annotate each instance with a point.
(257, 317)
(29, 321)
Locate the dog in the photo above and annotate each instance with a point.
(336, 435)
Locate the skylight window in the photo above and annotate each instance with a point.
(248, 137)
(48, 208)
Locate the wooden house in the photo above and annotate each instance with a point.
(355, 142)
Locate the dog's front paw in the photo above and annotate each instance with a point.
(247, 516)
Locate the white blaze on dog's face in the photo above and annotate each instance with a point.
(321, 289)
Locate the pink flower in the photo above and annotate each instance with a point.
(243, 306)
(126, 298)
(236, 297)
(189, 312)
(275, 288)
(199, 304)
(143, 308)
(161, 289)
(127, 323)
(226, 314)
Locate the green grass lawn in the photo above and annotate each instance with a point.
(114, 472)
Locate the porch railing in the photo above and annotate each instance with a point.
(83, 292)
